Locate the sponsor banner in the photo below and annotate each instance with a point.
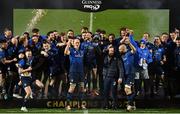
(140, 103)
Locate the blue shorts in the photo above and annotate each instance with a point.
(26, 81)
(129, 79)
(76, 77)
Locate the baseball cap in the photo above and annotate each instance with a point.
(142, 42)
(21, 51)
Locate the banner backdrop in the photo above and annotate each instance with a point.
(61, 103)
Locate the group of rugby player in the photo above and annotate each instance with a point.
(54, 65)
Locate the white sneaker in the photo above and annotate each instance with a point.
(130, 108)
(17, 96)
(24, 109)
(68, 108)
(83, 107)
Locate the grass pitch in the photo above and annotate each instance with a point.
(90, 111)
(152, 21)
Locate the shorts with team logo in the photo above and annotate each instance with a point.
(26, 81)
(76, 77)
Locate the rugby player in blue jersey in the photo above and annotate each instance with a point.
(26, 77)
(127, 56)
(76, 71)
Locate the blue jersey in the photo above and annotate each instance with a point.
(2, 54)
(3, 67)
(21, 47)
(53, 61)
(21, 63)
(144, 54)
(2, 57)
(158, 53)
(37, 45)
(12, 51)
(89, 52)
(42, 38)
(128, 60)
(76, 60)
(141, 53)
(24, 65)
(149, 45)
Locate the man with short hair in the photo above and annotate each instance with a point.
(127, 56)
(12, 73)
(76, 71)
(3, 66)
(177, 55)
(8, 34)
(90, 64)
(36, 31)
(169, 45)
(121, 39)
(84, 29)
(177, 61)
(159, 59)
(25, 69)
(70, 34)
(53, 69)
(35, 45)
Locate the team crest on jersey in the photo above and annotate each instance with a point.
(78, 54)
(25, 85)
(71, 81)
(90, 47)
(125, 58)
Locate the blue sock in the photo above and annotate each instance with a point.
(130, 99)
(69, 98)
(81, 96)
(24, 102)
(17, 87)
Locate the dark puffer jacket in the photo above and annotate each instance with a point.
(113, 68)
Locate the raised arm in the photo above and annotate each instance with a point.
(133, 49)
(67, 51)
(131, 38)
